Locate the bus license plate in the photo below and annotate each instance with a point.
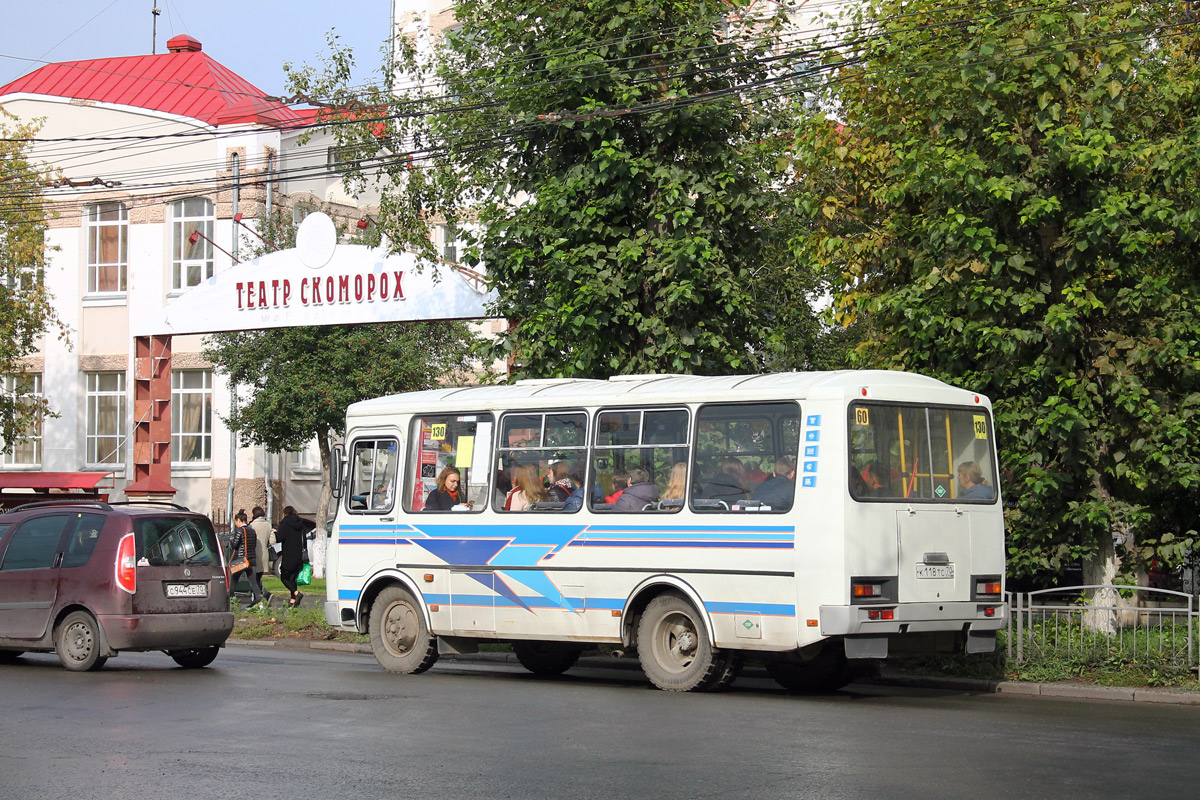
(935, 570)
(187, 590)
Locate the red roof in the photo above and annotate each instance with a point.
(185, 82)
(51, 480)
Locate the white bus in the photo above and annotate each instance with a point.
(804, 520)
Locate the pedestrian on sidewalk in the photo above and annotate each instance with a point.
(290, 534)
(245, 546)
(262, 533)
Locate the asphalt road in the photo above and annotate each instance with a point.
(273, 723)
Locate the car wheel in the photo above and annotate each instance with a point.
(546, 658)
(77, 642)
(399, 635)
(674, 649)
(828, 671)
(194, 658)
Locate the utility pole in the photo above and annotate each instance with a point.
(154, 12)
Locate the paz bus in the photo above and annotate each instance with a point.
(816, 521)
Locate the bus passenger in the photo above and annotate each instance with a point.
(728, 485)
(778, 490)
(562, 485)
(620, 481)
(677, 485)
(971, 483)
(445, 496)
(527, 488)
(640, 492)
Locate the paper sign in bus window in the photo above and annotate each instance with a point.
(437, 431)
(980, 426)
(862, 416)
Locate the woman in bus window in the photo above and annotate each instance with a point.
(527, 488)
(677, 486)
(728, 485)
(445, 496)
(971, 483)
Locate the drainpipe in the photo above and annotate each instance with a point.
(233, 399)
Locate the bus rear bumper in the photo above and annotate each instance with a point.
(913, 618)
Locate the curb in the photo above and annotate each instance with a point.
(1065, 691)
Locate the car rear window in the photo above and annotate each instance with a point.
(173, 541)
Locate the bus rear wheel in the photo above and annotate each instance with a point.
(828, 671)
(399, 635)
(674, 648)
(546, 658)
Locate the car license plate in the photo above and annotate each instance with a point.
(187, 590)
(935, 570)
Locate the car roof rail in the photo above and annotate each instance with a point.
(166, 503)
(82, 501)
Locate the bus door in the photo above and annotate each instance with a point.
(368, 529)
(934, 555)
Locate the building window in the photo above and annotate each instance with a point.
(22, 279)
(108, 247)
(27, 449)
(191, 261)
(191, 416)
(105, 417)
(448, 244)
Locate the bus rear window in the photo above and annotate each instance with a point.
(931, 454)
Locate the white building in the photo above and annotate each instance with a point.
(150, 150)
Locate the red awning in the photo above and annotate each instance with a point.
(51, 480)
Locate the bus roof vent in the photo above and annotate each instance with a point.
(646, 377)
(543, 381)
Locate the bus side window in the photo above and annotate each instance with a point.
(445, 445)
(640, 461)
(374, 466)
(746, 457)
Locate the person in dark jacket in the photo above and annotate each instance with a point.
(246, 544)
(778, 490)
(639, 492)
(448, 493)
(290, 533)
(728, 485)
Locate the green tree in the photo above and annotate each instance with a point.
(619, 179)
(1009, 192)
(300, 380)
(26, 313)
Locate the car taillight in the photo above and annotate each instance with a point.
(866, 590)
(987, 587)
(127, 564)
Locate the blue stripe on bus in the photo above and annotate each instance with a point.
(765, 609)
(727, 543)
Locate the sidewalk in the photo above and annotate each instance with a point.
(888, 676)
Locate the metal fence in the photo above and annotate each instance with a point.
(1100, 622)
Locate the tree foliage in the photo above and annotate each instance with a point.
(1009, 192)
(26, 313)
(619, 177)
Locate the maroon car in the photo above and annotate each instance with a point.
(87, 579)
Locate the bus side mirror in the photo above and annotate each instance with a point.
(335, 471)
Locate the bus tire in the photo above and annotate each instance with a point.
(674, 649)
(546, 658)
(399, 635)
(828, 671)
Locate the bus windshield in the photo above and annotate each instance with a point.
(921, 453)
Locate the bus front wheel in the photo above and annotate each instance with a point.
(674, 648)
(399, 635)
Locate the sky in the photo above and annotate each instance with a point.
(251, 37)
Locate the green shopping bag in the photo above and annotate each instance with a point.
(305, 576)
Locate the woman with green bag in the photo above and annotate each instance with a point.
(290, 534)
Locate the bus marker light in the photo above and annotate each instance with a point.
(887, 613)
(812, 623)
(873, 613)
(428, 577)
(989, 612)
(866, 590)
(435, 607)
(616, 612)
(987, 587)
(864, 391)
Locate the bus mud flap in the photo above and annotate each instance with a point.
(866, 647)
